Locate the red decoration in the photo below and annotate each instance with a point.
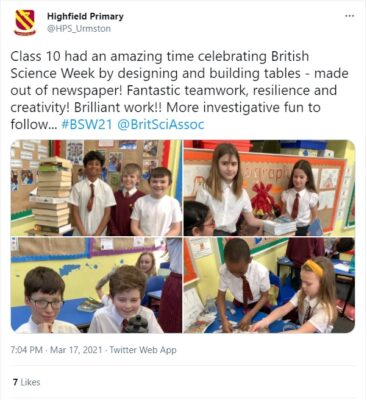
(263, 203)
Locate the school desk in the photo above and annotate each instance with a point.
(275, 327)
(285, 261)
(68, 313)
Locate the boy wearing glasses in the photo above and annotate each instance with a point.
(43, 291)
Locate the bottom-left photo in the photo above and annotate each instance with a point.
(96, 285)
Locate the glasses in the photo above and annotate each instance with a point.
(210, 224)
(43, 304)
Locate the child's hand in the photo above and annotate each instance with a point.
(45, 327)
(258, 326)
(227, 327)
(244, 323)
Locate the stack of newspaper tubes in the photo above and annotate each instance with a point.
(50, 203)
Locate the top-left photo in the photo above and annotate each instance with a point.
(96, 188)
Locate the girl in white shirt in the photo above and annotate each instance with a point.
(223, 192)
(301, 189)
(316, 300)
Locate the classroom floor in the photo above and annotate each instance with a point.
(343, 325)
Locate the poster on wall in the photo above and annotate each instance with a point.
(114, 161)
(150, 148)
(350, 220)
(200, 247)
(148, 165)
(14, 181)
(127, 144)
(329, 178)
(75, 151)
(190, 274)
(26, 176)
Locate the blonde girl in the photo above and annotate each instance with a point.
(146, 263)
(223, 192)
(315, 301)
(300, 200)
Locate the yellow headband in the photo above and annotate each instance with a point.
(315, 268)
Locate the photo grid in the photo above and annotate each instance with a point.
(121, 236)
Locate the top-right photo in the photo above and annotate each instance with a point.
(268, 187)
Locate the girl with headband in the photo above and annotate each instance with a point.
(315, 301)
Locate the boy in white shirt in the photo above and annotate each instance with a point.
(92, 198)
(127, 288)
(157, 214)
(43, 291)
(247, 280)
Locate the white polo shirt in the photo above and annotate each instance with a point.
(319, 317)
(175, 255)
(227, 211)
(257, 276)
(57, 327)
(156, 216)
(108, 320)
(307, 200)
(103, 197)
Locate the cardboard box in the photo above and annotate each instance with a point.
(326, 153)
(300, 152)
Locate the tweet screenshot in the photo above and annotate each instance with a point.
(191, 175)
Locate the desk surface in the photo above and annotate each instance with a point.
(275, 327)
(68, 313)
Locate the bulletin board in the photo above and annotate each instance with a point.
(64, 248)
(125, 245)
(276, 170)
(350, 220)
(50, 248)
(24, 162)
(148, 154)
(190, 274)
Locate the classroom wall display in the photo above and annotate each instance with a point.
(116, 245)
(200, 247)
(117, 154)
(65, 248)
(272, 169)
(190, 274)
(25, 157)
(350, 219)
(50, 248)
(75, 151)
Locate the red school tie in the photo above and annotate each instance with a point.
(247, 294)
(91, 198)
(295, 207)
(127, 195)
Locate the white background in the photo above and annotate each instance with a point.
(206, 366)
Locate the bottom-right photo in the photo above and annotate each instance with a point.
(269, 285)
